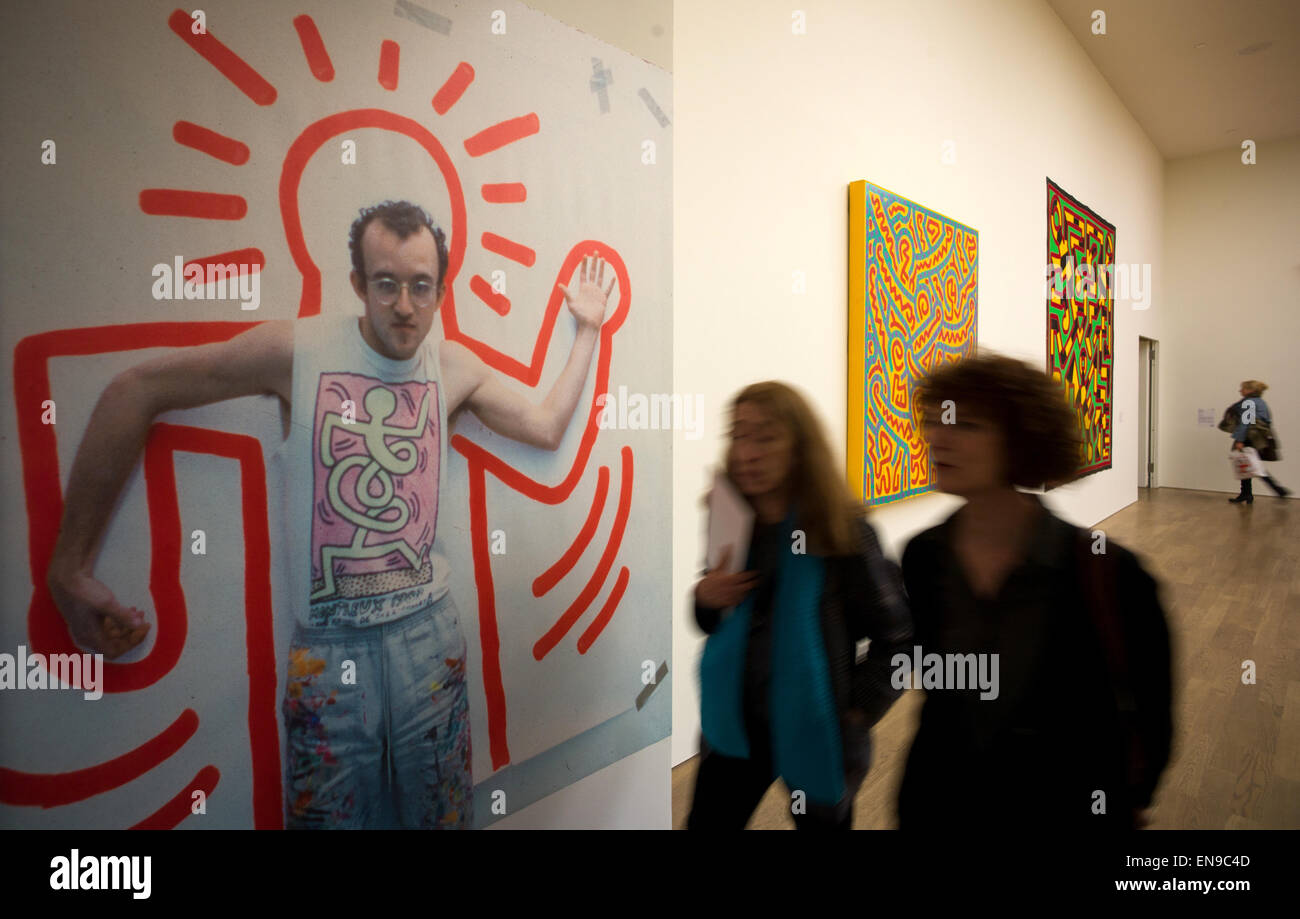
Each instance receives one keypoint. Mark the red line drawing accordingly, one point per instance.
(551, 576)
(483, 290)
(232, 66)
(505, 193)
(169, 816)
(54, 789)
(454, 88)
(606, 613)
(388, 54)
(46, 629)
(497, 136)
(224, 148)
(313, 48)
(555, 633)
(510, 249)
(175, 202)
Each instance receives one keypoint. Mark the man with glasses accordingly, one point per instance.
(376, 699)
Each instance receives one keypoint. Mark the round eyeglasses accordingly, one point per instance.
(387, 290)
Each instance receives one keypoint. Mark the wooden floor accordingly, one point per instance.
(1230, 585)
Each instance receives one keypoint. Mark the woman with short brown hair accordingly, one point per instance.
(1074, 727)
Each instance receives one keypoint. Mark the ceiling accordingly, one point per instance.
(1198, 75)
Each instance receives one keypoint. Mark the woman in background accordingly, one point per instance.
(1252, 390)
(782, 690)
(1074, 729)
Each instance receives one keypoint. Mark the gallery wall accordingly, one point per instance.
(1232, 244)
(771, 128)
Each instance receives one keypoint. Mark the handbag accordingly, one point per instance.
(1246, 463)
(1260, 436)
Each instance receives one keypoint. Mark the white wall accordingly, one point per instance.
(770, 129)
(1232, 239)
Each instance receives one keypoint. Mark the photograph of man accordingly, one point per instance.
(376, 701)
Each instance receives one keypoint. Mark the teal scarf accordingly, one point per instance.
(804, 725)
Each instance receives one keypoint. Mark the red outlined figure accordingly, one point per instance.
(41, 462)
(482, 461)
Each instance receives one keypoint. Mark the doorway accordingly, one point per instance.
(1147, 411)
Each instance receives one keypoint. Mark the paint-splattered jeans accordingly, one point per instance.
(379, 708)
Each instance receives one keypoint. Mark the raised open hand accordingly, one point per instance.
(588, 305)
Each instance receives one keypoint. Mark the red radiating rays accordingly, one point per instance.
(388, 54)
(512, 250)
(454, 88)
(175, 202)
(505, 132)
(318, 59)
(498, 302)
(505, 193)
(224, 148)
(232, 66)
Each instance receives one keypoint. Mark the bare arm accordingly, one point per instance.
(259, 361)
(474, 386)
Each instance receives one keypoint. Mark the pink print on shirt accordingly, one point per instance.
(375, 457)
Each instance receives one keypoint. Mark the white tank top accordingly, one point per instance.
(364, 468)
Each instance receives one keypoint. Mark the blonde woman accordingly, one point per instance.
(782, 691)
(1254, 433)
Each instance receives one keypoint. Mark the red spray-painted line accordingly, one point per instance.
(317, 135)
(530, 373)
(606, 613)
(55, 789)
(551, 576)
(251, 258)
(169, 816)
(224, 148)
(176, 202)
(38, 447)
(231, 65)
(501, 134)
(505, 193)
(165, 441)
(313, 48)
(555, 633)
(453, 89)
(388, 55)
(510, 249)
(499, 303)
(489, 637)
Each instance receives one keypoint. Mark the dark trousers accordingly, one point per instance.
(728, 789)
(1247, 492)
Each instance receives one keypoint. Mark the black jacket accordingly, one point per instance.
(1038, 753)
(862, 598)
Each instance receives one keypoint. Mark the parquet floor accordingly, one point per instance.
(1230, 585)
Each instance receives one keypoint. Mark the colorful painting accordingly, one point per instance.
(913, 289)
(1081, 319)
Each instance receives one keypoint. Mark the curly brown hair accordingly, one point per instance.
(1042, 443)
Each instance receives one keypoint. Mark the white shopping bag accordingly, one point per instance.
(1246, 463)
